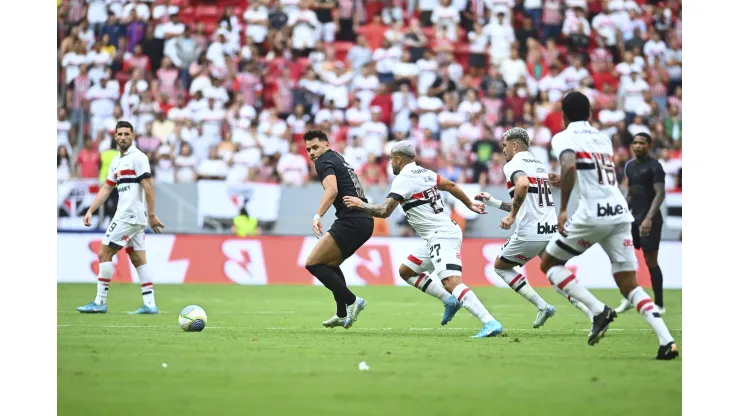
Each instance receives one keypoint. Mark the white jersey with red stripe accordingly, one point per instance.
(536, 219)
(416, 189)
(600, 201)
(127, 172)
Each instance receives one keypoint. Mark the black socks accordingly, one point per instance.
(333, 278)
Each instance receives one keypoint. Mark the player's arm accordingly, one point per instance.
(101, 197)
(567, 182)
(383, 210)
(330, 193)
(446, 185)
(521, 188)
(489, 200)
(144, 178)
(659, 188)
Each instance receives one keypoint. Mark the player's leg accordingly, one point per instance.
(137, 253)
(112, 242)
(650, 245)
(321, 263)
(578, 305)
(625, 305)
(516, 253)
(445, 255)
(618, 246)
(416, 271)
(562, 248)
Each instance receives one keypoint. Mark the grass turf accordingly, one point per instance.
(264, 352)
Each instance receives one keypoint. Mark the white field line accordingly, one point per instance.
(357, 329)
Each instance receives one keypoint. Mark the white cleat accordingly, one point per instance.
(543, 316)
(353, 311)
(623, 307)
(334, 321)
(660, 310)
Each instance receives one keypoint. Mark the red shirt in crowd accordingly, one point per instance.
(554, 122)
(89, 163)
(601, 78)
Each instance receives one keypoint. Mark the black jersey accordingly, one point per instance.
(324, 15)
(332, 163)
(642, 174)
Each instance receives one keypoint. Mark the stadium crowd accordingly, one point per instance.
(225, 89)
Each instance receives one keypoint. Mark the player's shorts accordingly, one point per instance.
(441, 255)
(517, 252)
(351, 233)
(651, 241)
(122, 234)
(615, 239)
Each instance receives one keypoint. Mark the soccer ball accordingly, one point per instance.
(193, 318)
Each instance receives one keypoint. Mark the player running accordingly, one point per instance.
(602, 217)
(349, 231)
(417, 190)
(645, 194)
(130, 171)
(533, 210)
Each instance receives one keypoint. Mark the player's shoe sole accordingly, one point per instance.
(93, 307)
(623, 307)
(333, 322)
(667, 352)
(353, 311)
(452, 305)
(145, 310)
(490, 329)
(543, 316)
(601, 325)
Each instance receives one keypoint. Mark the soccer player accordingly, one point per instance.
(602, 217)
(417, 190)
(533, 210)
(349, 231)
(645, 194)
(130, 172)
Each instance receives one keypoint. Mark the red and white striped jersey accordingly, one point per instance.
(127, 172)
(536, 219)
(600, 201)
(416, 189)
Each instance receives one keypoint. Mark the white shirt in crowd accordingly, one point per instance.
(573, 76)
(292, 168)
(632, 91)
(374, 134)
(258, 32)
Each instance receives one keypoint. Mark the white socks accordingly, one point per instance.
(429, 285)
(147, 288)
(105, 274)
(646, 308)
(470, 302)
(581, 307)
(565, 280)
(518, 282)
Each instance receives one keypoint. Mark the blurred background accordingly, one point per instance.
(221, 91)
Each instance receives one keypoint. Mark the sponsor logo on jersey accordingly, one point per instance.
(609, 210)
(522, 258)
(546, 228)
(584, 243)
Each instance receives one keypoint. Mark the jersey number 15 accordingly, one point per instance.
(604, 168)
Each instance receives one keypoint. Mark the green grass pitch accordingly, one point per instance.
(264, 352)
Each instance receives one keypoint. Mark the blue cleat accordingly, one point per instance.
(452, 305)
(543, 316)
(145, 310)
(490, 329)
(93, 307)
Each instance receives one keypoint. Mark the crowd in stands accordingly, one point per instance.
(225, 89)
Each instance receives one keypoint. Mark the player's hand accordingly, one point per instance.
(554, 179)
(318, 229)
(88, 219)
(645, 227)
(477, 207)
(155, 223)
(562, 219)
(483, 196)
(352, 201)
(507, 221)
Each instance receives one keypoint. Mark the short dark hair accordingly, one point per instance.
(315, 134)
(123, 124)
(645, 136)
(576, 106)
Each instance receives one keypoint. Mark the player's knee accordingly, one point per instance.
(624, 266)
(104, 256)
(546, 263)
(501, 265)
(651, 258)
(406, 273)
(626, 282)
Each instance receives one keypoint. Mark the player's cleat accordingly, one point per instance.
(93, 307)
(623, 307)
(490, 329)
(353, 311)
(660, 310)
(667, 352)
(145, 310)
(543, 316)
(452, 305)
(334, 321)
(600, 325)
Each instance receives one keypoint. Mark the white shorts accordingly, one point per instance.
(615, 239)
(441, 255)
(327, 32)
(517, 252)
(122, 234)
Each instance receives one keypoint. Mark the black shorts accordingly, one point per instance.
(351, 233)
(477, 60)
(650, 242)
